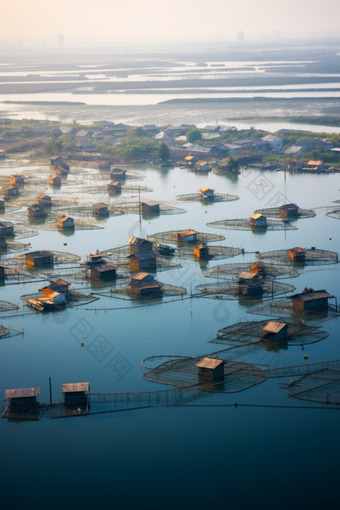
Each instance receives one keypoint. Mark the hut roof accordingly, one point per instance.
(245, 275)
(314, 163)
(74, 387)
(137, 241)
(209, 363)
(115, 183)
(200, 246)
(289, 206)
(22, 393)
(35, 207)
(188, 232)
(142, 276)
(205, 189)
(103, 268)
(310, 296)
(118, 171)
(44, 197)
(274, 327)
(189, 158)
(41, 253)
(298, 250)
(100, 204)
(257, 216)
(64, 218)
(144, 255)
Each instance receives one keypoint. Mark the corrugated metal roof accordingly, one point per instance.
(22, 393)
(274, 327)
(141, 276)
(245, 275)
(144, 255)
(209, 363)
(317, 294)
(73, 387)
(257, 216)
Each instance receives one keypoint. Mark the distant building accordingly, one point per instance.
(58, 161)
(144, 285)
(275, 331)
(249, 284)
(294, 151)
(10, 191)
(2, 153)
(83, 133)
(114, 187)
(297, 255)
(36, 211)
(103, 272)
(311, 301)
(22, 401)
(187, 236)
(75, 394)
(201, 251)
(210, 369)
(3, 243)
(206, 193)
(62, 171)
(289, 211)
(143, 261)
(118, 174)
(190, 160)
(275, 141)
(65, 223)
(17, 179)
(40, 258)
(6, 229)
(202, 166)
(54, 180)
(258, 221)
(68, 130)
(45, 200)
(138, 244)
(100, 209)
(59, 286)
(148, 208)
(2, 205)
(314, 166)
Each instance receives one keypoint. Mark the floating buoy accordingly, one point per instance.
(305, 356)
(81, 344)
(205, 212)
(65, 244)
(330, 238)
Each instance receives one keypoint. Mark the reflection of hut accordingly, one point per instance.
(143, 260)
(201, 251)
(10, 191)
(210, 368)
(297, 255)
(249, 284)
(44, 200)
(206, 193)
(258, 221)
(139, 244)
(3, 244)
(311, 301)
(100, 209)
(114, 187)
(36, 211)
(54, 180)
(23, 400)
(145, 285)
(289, 211)
(187, 236)
(275, 331)
(40, 258)
(148, 208)
(65, 223)
(103, 272)
(17, 179)
(74, 394)
(2, 205)
(118, 174)
(6, 228)
(60, 170)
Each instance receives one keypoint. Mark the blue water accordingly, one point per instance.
(177, 456)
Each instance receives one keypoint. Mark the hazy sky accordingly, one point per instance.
(153, 19)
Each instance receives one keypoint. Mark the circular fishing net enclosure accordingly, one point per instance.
(152, 208)
(322, 386)
(214, 252)
(119, 256)
(284, 308)
(59, 258)
(170, 237)
(217, 197)
(276, 212)
(300, 256)
(184, 373)
(230, 290)
(166, 291)
(269, 271)
(334, 213)
(246, 333)
(6, 306)
(3, 331)
(243, 224)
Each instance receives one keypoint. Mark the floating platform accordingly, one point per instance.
(230, 290)
(310, 257)
(197, 197)
(243, 224)
(269, 271)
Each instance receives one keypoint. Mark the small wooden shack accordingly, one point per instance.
(60, 286)
(6, 229)
(62, 171)
(210, 369)
(94, 258)
(118, 174)
(58, 161)
(22, 401)
(3, 243)
(275, 331)
(40, 258)
(311, 301)
(54, 180)
(206, 193)
(105, 165)
(138, 244)
(17, 179)
(65, 223)
(190, 160)
(100, 209)
(249, 284)
(103, 272)
(289, 211)
(297, 255)
(2, 153)
(187, 236)
(201, 251)
(2, 205)
(114, 187)
(258, 268)
(45, 200)
(202, 166)
(143, 260)
(144, 285)
(75, 394)
(36, 211)
(10, 191)
(258, 221)
(149, 208)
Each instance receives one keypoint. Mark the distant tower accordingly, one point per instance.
(61, 40)
(240, 36)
